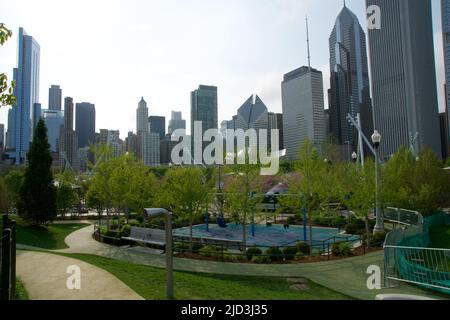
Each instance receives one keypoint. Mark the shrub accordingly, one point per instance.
(351, 228)
(303, 248)
(252, 252)
(181, 247)
(124, 231)
(341, 249)
(299, 256)
(212, 252)
(290, 252)
(261, 259)
(134, 223)
(274, 253)
(378, 239)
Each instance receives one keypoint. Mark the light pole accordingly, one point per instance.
(155, 213)
(379, 226)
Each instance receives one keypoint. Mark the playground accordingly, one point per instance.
(261, 235)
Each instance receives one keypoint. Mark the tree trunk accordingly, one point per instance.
(366, 220)
(108, 226)
(191, 223)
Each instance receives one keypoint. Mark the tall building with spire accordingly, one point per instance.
(303, 108)
(403, 75)
(349, 79)
(26, 91)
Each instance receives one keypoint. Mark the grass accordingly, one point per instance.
(440, 237)
(21, 292)
(51, 237)
(150, 283)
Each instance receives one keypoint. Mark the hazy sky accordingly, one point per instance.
(112, 52)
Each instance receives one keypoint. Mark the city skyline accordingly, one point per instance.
(235, 75)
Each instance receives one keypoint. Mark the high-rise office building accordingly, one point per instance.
(157, 125)
(444, 135)
(404, 76)
(131, 143)
(85, 124)
(142, 116)
(176, 122)
(26, 91)
(276, 123)
(2, 137)
(445, 9)
(203, 110)
(53, 120)
(349, 93)
(68, 139)
(151, 149)
(303, 110)
(54, 98)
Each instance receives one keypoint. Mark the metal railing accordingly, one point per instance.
(407, 256)
(8, 259)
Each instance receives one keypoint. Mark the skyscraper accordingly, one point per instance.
(176, 122)
(303, 109)
(445, 8)
(444, 135)
(53, 120)
(68, 139)
(26, 76)
(157, 125)
(404, 76)
(2, 136)
(85, 124)
(276, 123)
(204, 110)
(142, 116)
(349, 93)
(54, 98)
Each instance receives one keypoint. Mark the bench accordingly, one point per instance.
(147, 236)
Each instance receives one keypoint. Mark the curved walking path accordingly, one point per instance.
(347, 276)
(45, 277)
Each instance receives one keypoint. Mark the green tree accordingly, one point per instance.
(66, 194)
(37, 203)
(185, 192)
(6, 89)
(359, 183)
(239, 201)
(5, 197)
(14, 180)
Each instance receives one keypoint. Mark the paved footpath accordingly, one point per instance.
(45, 278)
(347, 276)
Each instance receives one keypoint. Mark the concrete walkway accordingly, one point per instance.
(347, 276)
(45, 278)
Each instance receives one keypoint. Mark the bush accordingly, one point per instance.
(252, 252)
(303, 248)
(274, 253)
(181, 247)
(261, 259)
(299, 256)
(290, 252)
(378, 238)
(212, 252)
(341, 249)
(351, 228)
(124, 231)
(134, 223)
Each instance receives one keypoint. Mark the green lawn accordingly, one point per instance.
(51, 237)
(440, 237)
(150, 283)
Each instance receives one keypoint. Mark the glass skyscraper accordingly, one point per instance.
(26, 76)
(349, 93)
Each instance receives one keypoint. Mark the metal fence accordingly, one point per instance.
(407, 256)
(8, 259)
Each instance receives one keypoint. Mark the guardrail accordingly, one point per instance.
(407, 257)
(8, 259)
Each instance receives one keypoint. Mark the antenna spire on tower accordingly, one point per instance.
(307, 42)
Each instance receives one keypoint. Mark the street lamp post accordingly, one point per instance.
(379, 226)
(155, 213)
